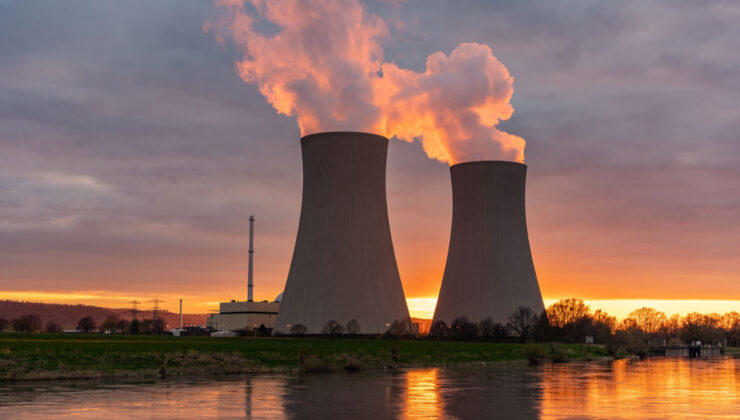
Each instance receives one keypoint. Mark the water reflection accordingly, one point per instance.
(656, 388)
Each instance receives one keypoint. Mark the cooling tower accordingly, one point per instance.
(489, 271)
(343, 266)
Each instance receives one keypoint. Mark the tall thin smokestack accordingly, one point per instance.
(489, 271)
(343, 266)
(180, 313)
(250, 275)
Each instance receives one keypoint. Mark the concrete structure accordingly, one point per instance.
(239, 315)
(343, 266)
(489, 271)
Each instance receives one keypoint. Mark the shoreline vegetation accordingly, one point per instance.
(33, 356)
(29, 356)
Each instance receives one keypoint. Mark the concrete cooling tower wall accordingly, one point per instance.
(489, 271)
(343, 266)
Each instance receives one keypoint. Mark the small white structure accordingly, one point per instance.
(239, 315)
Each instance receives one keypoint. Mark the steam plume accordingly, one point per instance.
(324, 64)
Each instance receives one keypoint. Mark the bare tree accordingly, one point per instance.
(648, 319)
(298, 329)
(438, 330)
(567, 312)
(486, 328)
(353, 327)
(27, 323)
(402, 328)
(333, 328)
(521, 322)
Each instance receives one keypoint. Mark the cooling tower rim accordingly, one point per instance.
(489, 163)
(340, 133)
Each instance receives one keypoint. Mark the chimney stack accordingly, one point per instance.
(250, 275)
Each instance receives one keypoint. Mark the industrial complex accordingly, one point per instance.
(344, 266)
(489, 271)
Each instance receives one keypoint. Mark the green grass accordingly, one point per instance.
(55, 356)
(733, 350)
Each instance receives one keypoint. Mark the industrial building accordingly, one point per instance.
(343, 266)
(240, 315)
(244, 315)
(489, 270)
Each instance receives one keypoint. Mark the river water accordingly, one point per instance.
(654, 388)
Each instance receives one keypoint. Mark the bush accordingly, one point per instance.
(86, 324)
(134, 327)
(4, 324)
(53, 327)
(298, 329)
(462, 329)
(438, 330)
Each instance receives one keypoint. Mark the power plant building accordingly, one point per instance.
(343, 266)
(241, 315)
(489, 270)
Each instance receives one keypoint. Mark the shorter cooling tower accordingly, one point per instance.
(343, 266)
(489, 271)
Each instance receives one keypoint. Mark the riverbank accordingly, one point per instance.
(25, 356)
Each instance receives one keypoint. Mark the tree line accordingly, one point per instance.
(87, 324)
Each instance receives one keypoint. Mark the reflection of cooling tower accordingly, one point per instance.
(343, 264)
(489, 270)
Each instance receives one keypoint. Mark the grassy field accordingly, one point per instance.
(25, 356)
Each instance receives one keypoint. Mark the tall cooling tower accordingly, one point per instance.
(343, 263)
(489, 271)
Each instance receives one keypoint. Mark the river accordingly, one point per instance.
(652, 388)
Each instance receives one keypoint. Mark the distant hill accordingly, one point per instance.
(69, 315)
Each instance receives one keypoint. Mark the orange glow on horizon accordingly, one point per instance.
(419, 307)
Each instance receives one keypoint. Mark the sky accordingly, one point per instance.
(132, 153)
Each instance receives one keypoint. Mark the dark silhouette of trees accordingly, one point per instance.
(122, 326)
(4, 324)
(298, 329)
(134, 327)
(402, 328)
(521, 322)
(333, 328)
(567, 312)
(109, 324)
(53, 327)
(731, 327)
(86, 324)
(462, 329)
(438, 330)
(543, 332)
(700, 327)
(159, 326)
(486, 328)
(27, 323)
(353, 327)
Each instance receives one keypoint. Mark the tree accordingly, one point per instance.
(603, 326)
(521, 322)
(110, 323)
(53, 327)
(27, 323)
(298, 329)
(462, 329)
(333, 328)
(159, 326)
(439, 330)
(672, 325)
(700, 327)
(731, 327)
(485, 328)
(146, 326)
(648, 319)
(401, 328)
(353, 327)
(566, 312)
(543, 332)
(122, 326)
(4, 324)
(134, 327)
(86, 324)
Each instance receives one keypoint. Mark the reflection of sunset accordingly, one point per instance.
(422, 394)
(633, 389)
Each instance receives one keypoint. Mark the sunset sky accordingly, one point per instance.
(132, 153)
